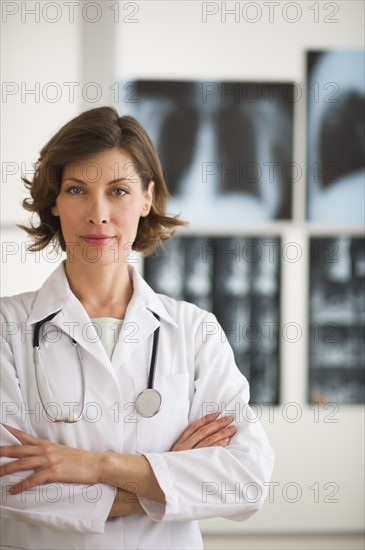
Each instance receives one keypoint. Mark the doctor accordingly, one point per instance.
(91, 460)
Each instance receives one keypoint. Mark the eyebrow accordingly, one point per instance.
(118, 180)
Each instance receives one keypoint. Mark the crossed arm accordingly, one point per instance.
(52, 462)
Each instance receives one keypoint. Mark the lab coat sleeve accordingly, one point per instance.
(231, 482)
(62, 506)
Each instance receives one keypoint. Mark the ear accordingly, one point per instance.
(54, 210)
(147, 200)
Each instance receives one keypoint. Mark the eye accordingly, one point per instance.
(74, 190)
(119, 192)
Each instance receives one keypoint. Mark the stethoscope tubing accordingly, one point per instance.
(151, 375)
(36, 347)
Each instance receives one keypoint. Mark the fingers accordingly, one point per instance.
(197, 425)
(205, 432)
(218, 439)
(18, 451)
(38, 478)
(30, 459)
(208, 431)
(51, 462)
(29, 463)
(22, 436)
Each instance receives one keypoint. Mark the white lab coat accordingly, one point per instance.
(195, 374)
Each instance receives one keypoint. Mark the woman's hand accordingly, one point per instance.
(51, 462)
(208, 431)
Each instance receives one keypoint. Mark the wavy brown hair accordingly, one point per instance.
(90, 133)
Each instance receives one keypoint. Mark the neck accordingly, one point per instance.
(104, 291)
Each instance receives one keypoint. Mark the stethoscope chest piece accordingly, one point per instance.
(148, 403)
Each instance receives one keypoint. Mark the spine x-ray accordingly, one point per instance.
(337, 320)
(238, 279)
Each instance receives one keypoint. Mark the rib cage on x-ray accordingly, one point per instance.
(237, 279)
(337, 320)
(336, 136)
(227, 158)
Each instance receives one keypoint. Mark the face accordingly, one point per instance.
(100, 203)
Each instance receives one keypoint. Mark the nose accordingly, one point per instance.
(99, 212)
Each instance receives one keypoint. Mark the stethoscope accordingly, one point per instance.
(148, 403)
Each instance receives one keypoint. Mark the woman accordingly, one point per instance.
(84, 464)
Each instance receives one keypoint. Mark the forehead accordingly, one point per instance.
(111, 164)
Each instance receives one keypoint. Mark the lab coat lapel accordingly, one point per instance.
(139, 324)
(140, 321)
(56, 296)
(74, 320)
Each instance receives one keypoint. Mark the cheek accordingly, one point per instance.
(128, 217)
(127, 226)
(68, 218)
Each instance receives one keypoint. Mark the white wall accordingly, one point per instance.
(42, 57)
(170, 40)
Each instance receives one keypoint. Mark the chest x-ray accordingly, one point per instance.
(225, 147)
(336, 136)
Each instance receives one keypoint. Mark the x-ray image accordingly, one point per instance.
(337, 320)
(239, 280)
(336, 137)
(225, 147)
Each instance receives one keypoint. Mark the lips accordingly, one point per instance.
(99, 240)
